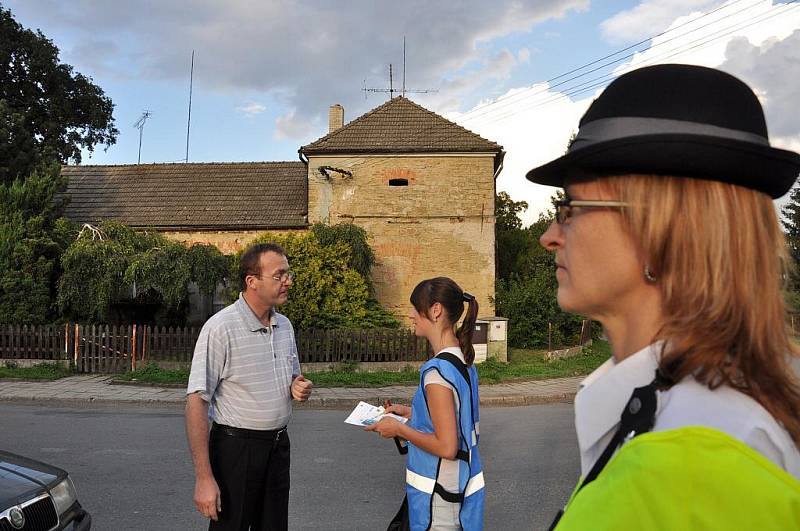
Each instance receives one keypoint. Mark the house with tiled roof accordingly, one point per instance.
(421, 186)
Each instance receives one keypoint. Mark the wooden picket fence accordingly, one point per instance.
(120, 348)
(360, 345)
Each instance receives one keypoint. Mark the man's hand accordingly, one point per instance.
(206, 498)
(301, 388)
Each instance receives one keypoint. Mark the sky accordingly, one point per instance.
(518, 73)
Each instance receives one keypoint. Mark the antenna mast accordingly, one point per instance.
(140, 126)
(404, 67)
(189, 119)
(391, 90)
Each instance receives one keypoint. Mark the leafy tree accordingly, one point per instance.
(791, 223)
(32, 238)
(507, 212)
(327, 291)
(361, 256)
(510, 239)
(526, 294)
(112, 264)
(48, 112)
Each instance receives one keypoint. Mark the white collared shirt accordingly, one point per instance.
(604, 393)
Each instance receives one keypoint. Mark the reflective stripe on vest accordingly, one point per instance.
(423, 467)
(427, 485)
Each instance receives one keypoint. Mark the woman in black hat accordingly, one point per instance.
(668, 237)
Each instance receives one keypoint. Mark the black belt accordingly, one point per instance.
(267, 435)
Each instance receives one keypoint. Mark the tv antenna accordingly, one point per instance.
(391, 90)
(140, 126)
(189, 119)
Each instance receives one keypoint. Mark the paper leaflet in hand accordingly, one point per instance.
(366, 414)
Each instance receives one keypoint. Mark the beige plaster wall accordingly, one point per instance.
(441, 224)
(227, 242)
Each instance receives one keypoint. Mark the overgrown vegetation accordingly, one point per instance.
(112, 264)
(329, 291)
(526, 287)
(32, 238)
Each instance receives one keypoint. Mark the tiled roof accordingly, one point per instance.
(401, 126)
(251, 195)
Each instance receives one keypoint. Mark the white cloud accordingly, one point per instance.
(523, 55)
(706, 44)
(774, 70)
(534, 124)
(314, 52)
(251, 109)
(648, 18)
(290, 125)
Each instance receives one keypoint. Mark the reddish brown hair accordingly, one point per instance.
(720, 258)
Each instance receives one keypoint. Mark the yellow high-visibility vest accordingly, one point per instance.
(692, 478)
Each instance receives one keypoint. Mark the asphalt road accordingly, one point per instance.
(132, 468)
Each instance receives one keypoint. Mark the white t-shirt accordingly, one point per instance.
(605, 392)
(448, 471)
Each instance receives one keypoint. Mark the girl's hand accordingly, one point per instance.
(397, 409)
(386, 428)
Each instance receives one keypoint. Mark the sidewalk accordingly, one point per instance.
(99, 389)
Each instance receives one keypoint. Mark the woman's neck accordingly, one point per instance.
(630, 332)
(443, 339)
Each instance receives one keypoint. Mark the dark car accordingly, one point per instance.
(38, 497)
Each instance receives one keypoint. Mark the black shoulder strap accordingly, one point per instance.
(462, 368)
(458, 364)
(639, 416)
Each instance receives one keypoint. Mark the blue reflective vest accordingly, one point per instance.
(423, 468)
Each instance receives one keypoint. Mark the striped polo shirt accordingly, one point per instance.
(244, 369)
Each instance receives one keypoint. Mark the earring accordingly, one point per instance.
(648, 275)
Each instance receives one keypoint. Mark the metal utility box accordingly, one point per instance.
(480, 339)
(497, 338)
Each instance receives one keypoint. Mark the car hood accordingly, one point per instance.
(21, 478)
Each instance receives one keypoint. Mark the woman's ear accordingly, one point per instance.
(436, 311)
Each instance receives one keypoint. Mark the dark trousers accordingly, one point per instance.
(252, 471)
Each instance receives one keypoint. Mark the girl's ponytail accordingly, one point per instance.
(465, 331)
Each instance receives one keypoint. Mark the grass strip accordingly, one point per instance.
(41, 371)
(523, 364)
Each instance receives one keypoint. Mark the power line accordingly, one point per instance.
(475, 113)
(603, 80)
(599, 81)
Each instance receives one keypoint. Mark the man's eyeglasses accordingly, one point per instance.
(283, 278)
(564, 207)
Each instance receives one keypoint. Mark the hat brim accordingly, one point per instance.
(759, 167)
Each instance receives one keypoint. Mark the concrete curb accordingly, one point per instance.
(101, 391)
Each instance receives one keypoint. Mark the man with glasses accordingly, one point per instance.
(245, 372)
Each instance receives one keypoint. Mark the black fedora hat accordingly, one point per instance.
(681, 120)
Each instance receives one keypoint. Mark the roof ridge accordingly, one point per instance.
(405, 117)
(452, 122)
(151, 164)
(355, 120)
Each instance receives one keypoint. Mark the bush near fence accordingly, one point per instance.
(119, 348)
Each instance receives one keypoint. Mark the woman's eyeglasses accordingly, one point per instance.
(564, 207)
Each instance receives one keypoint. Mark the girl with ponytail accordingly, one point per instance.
(444, 476)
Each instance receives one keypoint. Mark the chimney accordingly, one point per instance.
(335, 118)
